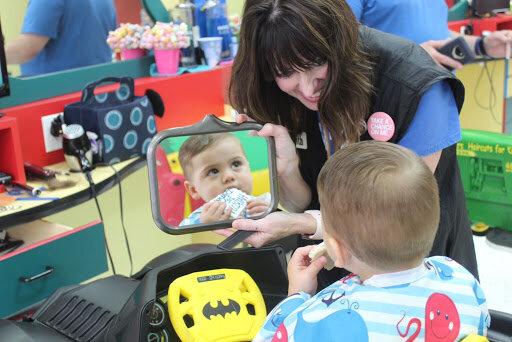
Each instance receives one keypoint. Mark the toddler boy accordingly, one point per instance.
(380, 209)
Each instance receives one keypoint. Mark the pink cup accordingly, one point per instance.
(167, 61)
(127, 54)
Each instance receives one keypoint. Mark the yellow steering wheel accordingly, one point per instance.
(216, 305)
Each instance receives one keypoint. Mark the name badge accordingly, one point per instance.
(302, 141)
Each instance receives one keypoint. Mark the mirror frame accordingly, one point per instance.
(209, 124)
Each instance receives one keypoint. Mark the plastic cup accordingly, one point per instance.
(167, 61)
(212, 48)
(127, 54)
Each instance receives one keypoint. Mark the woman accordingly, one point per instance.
(307, 70)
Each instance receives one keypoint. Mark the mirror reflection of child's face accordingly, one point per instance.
(218, 168)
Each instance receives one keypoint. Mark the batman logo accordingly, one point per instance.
(221, 309)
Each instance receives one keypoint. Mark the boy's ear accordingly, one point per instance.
(192, 191)
(341, 253)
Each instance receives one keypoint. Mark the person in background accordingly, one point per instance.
(60, 34)
(425, 22)
(368, 191)
(306, 69)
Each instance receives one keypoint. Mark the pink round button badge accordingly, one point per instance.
(381, 126)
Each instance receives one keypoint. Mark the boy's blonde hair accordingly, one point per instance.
(196, 144)
(382, 201)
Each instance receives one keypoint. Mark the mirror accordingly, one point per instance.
(204, 176)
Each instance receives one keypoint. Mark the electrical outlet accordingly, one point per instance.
(51, 143)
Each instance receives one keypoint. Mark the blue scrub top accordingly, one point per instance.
(417, 20)
(77, 29)
(435, 125)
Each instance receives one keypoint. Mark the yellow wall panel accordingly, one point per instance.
(479, 93)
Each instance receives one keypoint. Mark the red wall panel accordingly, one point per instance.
(187, 98)
(10, 150)
(128, 11)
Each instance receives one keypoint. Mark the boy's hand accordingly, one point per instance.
(302, 272)
(256, 207)
(215, 212)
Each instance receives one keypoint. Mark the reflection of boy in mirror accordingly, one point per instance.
(212, 164)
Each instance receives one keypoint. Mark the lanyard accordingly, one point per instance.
(326, 138)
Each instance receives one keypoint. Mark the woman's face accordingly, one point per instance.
(306, 86)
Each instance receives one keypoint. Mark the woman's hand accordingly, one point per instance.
(496, 43)
(294, 193)
(495, 46)
(302, 272)
(272, 227)
(286, 156)
(442, 60)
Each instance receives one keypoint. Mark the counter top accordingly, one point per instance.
(17, 206)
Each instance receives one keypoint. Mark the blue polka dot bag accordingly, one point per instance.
(124, 123)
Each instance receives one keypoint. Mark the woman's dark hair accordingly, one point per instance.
(280, 36)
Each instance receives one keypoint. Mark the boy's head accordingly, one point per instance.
(213, 163)
(380, 203)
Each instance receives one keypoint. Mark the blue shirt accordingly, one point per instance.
(439, 300)
(417, 20)
(77, 29)
(436, 124)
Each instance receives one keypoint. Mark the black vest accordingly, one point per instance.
(403, 72)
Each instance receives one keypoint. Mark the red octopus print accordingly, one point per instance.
(442, 321)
